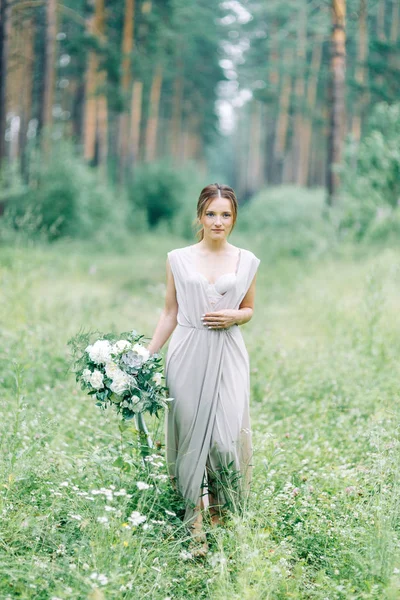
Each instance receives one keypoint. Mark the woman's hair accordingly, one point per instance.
(215, 190)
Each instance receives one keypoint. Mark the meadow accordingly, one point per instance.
(322, 521)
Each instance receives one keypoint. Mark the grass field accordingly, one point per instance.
(323, 519)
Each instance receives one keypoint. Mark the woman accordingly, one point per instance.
(210, 292)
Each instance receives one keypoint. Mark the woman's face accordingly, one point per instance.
(217, 219)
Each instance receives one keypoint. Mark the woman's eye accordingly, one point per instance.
(209, 214)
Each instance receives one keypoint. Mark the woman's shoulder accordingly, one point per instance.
(249, 254)
(177, 251)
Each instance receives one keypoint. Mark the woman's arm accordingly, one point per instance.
(246, 308)
(168, 318)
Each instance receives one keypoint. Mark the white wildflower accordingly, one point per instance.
(100, 351)
(103, 520)
(136, 518)
(102, 579)
(184, 555)
(142, 485)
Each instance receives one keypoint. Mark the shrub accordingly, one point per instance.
(157, 189)
(68, 199)
(371, 176)
(289, 220)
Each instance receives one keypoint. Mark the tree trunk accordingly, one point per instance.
(176, 122)
(283, 119)
(380, 25)
(136, 118)
(152, 119)
(5, 20)
(394, 28)
(255, 160)
(49, 73)
(360, 74)
(26, 95)
(311, 102)
(127, 46)
(299, 92)
(101, 98)
(337, 99)
(89, 116)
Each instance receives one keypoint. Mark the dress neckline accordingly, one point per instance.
(223, 274)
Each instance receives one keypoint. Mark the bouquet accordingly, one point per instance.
(120, 371)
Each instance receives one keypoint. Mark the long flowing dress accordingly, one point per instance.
(207, 371)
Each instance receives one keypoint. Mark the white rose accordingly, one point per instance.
(86, 375)
(112, 369)
(121, 383)
(100, 352)
(120, 346)
(157, 378)
(96, 380)
(142, 351)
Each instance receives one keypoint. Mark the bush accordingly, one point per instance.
(68, 199)
(371, 177)
(288, 220)
(157, 189)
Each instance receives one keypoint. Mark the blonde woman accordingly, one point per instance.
(210, 293)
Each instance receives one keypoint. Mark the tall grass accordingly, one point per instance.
(322, 520)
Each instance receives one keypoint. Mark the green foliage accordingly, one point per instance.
(289, 220)
(377, 159)
(67, 199)
(371, 177)
(157, 188)
(322, 517)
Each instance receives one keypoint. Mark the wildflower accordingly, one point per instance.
(136, 518)
(102, 519)
(102, 579)
(142, 485)
(184, 555)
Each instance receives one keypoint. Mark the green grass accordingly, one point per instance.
(322, 521)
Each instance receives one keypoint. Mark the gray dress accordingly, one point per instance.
(207, 426)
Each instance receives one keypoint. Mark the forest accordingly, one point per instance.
(113, 117)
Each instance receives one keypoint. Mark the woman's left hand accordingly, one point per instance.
(221, 319)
